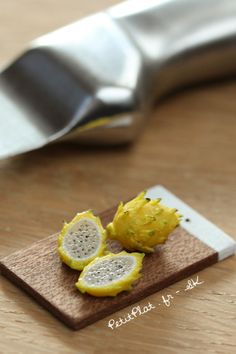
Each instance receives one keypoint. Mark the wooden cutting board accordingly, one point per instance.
(39, 271)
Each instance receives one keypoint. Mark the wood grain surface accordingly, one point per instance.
(39, 271)
(189, 146)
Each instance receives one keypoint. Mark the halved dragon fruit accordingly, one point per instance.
(110, 274)
(82, 240)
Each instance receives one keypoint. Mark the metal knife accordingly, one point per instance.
(96, 80)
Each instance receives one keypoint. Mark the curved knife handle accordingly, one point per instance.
(180, 41)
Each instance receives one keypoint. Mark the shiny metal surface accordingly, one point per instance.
(95, 80)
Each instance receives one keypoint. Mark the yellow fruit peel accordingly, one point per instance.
(141, 224)
(110, 274)
(82, 240)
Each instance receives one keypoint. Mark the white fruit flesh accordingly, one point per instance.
(82, 239)
(105, 272)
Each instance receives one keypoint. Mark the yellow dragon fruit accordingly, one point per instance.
(141, 224)
(110, 274)
(82, 240)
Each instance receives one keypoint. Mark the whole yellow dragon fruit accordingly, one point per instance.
(141, 224)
